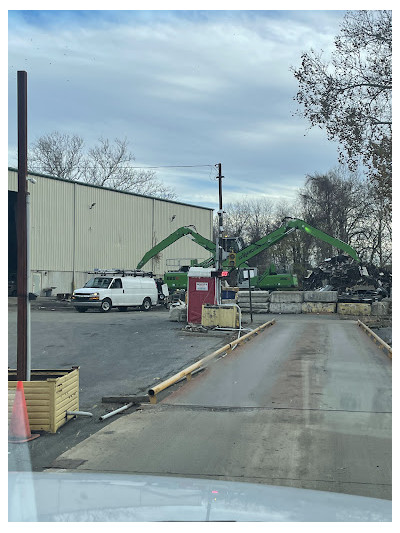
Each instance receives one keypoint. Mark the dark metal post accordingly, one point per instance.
(218, 251)
(22, 285)
(251, 305)
(220, 220)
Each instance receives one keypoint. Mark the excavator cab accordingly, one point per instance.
(233, 244)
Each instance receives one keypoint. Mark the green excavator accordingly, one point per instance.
(236, 256)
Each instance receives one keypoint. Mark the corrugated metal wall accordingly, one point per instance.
(70, 234)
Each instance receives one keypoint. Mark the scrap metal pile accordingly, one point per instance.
(352, 281)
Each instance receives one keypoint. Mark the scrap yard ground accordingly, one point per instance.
(307, 403)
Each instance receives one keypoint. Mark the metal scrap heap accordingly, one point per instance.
(353, 281)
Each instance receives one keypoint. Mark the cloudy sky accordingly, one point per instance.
(187, 88)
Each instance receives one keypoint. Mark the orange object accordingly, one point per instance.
(19, 429)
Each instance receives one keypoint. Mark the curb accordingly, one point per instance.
(381, 343)
(199, 365)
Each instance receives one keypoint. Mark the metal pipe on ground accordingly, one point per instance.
(78, 413)
(376, 337)
(190, 369)
(108, 415)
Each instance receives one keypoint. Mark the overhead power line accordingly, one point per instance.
(149, 168)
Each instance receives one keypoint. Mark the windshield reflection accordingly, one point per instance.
(98, 283)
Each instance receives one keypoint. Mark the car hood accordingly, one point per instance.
(96, 497)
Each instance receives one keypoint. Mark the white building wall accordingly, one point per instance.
(70, 236)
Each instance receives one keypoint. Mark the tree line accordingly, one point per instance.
(105, 164)
(342, 204)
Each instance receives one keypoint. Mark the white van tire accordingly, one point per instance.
(146, 305)
(106, 305)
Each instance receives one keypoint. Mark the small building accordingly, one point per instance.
(76, 228)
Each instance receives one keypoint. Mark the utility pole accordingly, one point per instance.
(22, 285)
(219, 248)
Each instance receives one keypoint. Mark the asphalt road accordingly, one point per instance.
(118, 353)
(305, 404)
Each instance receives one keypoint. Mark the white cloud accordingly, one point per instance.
(196, 88)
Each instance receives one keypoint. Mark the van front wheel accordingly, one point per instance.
(106, 305)
(146, 305)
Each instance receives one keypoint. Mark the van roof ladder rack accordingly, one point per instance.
(121, 272)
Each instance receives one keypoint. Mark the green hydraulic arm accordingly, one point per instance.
(288, 227)
(247, 253)
(180, 232)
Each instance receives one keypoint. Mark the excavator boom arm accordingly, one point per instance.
(322, 236)
(250, 251)
(180, 232)
(272, 238)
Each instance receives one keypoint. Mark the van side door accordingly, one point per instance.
(131, 291)
(117, 292)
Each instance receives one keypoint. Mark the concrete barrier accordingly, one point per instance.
(255, 305)
(255, 311)
(263, 296)
(287, 297)
(256, 308)
(178, 314)
(318, 307)
(380, 308)
(320, 296)
(354, 309)
(246, 301)
(285, 308)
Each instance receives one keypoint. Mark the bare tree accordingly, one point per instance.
(236, 220)
(350, 94)
(294, 252)
(106, 164)
(348, 208)
(249, 219)
(58, 154)
(373, 238)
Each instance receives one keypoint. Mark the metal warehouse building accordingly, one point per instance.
(76, 227)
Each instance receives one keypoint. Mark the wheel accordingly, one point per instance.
(81, 309)
(146, 305)
(122, 309)
(106, 305)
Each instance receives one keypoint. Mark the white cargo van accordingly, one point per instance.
(107, 291)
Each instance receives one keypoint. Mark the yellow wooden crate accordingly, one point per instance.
(49, 395)
(224, 317)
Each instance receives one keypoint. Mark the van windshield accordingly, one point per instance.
(98, 283)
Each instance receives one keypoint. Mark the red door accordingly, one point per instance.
(200, 291)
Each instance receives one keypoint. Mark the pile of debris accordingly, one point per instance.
(352, 281)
